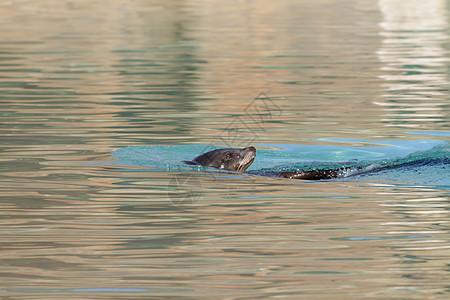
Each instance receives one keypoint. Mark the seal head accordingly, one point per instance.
(231, 159)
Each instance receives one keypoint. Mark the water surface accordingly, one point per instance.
(326, 80)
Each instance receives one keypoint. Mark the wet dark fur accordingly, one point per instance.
(230, 159)
(307, 175)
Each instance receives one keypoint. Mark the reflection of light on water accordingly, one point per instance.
(414, 61)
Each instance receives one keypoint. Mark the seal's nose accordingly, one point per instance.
(251, 148)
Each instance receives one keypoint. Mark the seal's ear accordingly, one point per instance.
(191, 163)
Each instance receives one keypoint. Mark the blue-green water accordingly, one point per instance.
(100, 101)
(421, 163)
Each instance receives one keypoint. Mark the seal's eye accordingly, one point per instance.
(229, 156)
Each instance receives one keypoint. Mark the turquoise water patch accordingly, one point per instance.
(288, 154)
(367, 238)
(390, 162)
(160, 157)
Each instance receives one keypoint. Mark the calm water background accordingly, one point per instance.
(81, 79)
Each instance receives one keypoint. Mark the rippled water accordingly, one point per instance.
(326, 80)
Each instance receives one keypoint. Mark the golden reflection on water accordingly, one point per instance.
(414, 56)
(287, 233)
(83, 78)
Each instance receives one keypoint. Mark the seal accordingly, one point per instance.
(309, 175)
(238, 160)
(231, 159)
